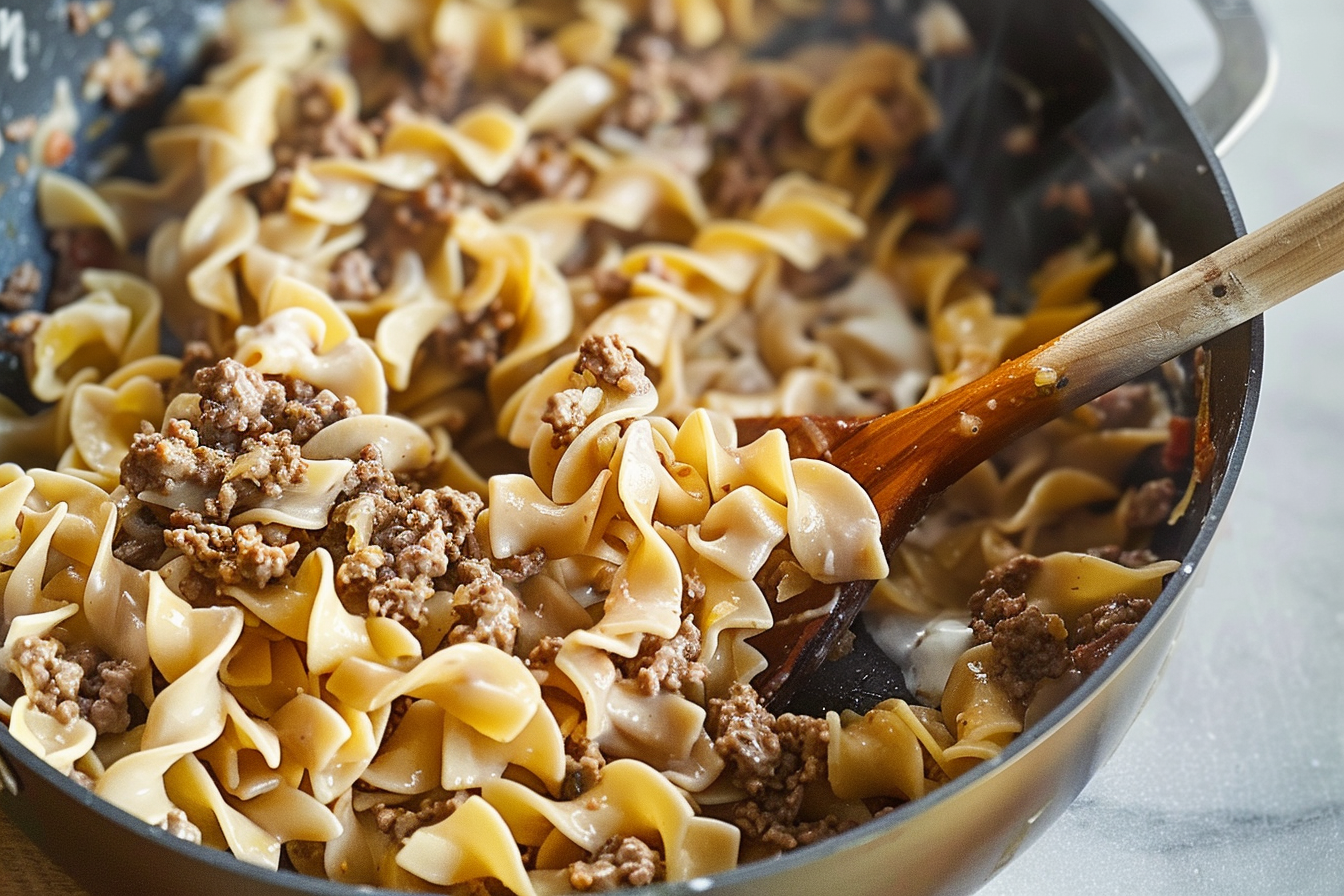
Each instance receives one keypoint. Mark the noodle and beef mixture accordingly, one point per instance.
(431, 556)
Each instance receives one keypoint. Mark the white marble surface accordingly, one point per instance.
(1232, 779)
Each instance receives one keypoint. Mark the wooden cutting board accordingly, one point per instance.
(26, 871)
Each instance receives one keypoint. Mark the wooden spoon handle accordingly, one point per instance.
(1244, 278)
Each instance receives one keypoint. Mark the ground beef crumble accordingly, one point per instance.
(1029, 645)
(773, 760)
(1132, 559)
(400, 823)
(80, 684)
(583, 764)
(567, 412)
(546, 169)
(248, 555)
(442, 87)
(487, 611)
(1128, 405)
(620, 862)
(1150, 504)
(75, 250)
(765, 118)
(1099, 632)
(611, 361)
(353, 277)
(396, 545)
(473, 342)
(667, 664)
(246, 445)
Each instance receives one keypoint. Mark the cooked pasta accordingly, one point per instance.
(431, 556)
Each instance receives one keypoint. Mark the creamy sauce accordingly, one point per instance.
(924, 648)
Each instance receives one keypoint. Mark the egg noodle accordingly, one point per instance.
(431, 557)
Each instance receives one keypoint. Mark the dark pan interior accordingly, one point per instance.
(1108, 121)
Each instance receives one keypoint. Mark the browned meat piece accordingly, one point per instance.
(522, 566)
(490, 614)
(443, 86)
(401, 823)
(648, 100)
(667, 664)
(105, 690)
(317, 130)
(744, 735)
(196, 356)
(583, 765)
(81, 684)
(567, 415)
(77, 16)
(746, 165)
(542, 61)
(16, 336)
(352, 277)
(611, 361)
(416, 541)
(546, 170)
(179, 825)
(245, 446)
(828, 277)
(271, 194)
(82, 16)
(22, 289)
(1029, 645)
(1101, 631)
(238, 403)
(52, 681)
(772, 760)
(1001, 595)
(157, 462)
(544, 654)
(20, 130)
(664, 87)
(248, 555)
(621, 862)
(1150, 504)
(473, 343)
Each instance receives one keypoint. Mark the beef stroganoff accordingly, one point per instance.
(425, 553)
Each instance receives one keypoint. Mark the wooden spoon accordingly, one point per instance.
(906, 458)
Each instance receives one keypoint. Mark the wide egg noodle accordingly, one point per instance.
(631, 799)
(187, 645)
(473, 842)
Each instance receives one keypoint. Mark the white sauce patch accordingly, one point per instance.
(924, 648)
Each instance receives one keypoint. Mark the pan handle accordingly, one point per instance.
(1246, 74)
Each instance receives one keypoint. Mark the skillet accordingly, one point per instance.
(1109, 120)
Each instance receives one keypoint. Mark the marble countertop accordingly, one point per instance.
(1232, 779)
